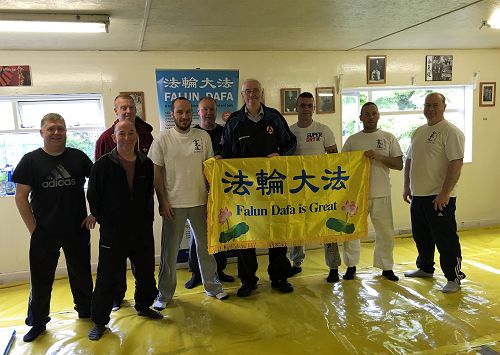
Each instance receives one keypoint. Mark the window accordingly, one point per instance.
(20, 124)
(401, 111)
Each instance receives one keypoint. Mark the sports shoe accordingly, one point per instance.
(116, 305)
(349, 274)
(282, 286)
(149, 313)
(96, 332)
(451, 287)
(419, 273)
(294, 270)
(159, 305)
(389, 275)
(223, 277)
(34, 333)
(333, 276)
(245, 290)
(222, 296)
(193, 282)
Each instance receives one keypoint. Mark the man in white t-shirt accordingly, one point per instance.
(383, 149)
(432, 170)
(313, 138)
(178, 155)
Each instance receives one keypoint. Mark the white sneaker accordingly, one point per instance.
(419, 273)
(159, 305)
(222, 296)
(451, 287)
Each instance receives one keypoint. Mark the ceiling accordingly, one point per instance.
(262, 25)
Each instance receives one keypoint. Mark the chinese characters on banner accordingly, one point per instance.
(222, 85)
(285, 201)
(15, 75)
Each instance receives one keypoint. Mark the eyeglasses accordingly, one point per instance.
(249, 92)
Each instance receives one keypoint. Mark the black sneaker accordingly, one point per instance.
(194, 281)
(148, 312)
(223, 277)
(333, 276)
(389, 275)
(116, 305)
(349, 274)
(245, 290)
(33, 333)
(294, 270)
(282, 286)
(96, 332)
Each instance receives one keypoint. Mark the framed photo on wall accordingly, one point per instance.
(325, 100)
(438, 67)
(376, 69)
(487, 94)
(288, 100)
(138, 97)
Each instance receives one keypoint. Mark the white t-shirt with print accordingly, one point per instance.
(312, 140)
(431, 150)
(182, 155)
(381, 142)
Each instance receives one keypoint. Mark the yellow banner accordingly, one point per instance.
(287, 200)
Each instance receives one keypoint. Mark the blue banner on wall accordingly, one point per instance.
(194, 84)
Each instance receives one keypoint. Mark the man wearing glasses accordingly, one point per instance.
(258, 131)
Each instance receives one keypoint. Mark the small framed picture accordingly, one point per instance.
(438, 67)
(375, 69)
(289, 100)
(140, 105)
(487, 94)
(325, 100)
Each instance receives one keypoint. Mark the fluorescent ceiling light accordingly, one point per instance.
(61, 23)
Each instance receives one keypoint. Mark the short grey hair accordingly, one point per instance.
(251, 80)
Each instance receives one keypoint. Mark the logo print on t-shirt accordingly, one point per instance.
(269, 129)
(197, 145)
(58, 177)
(314, 136)
(434, 135)
(380, 144)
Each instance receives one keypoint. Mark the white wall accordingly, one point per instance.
(111, 72)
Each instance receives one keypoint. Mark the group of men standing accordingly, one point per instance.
(130, 165)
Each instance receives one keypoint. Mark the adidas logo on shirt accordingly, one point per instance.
(58, 177)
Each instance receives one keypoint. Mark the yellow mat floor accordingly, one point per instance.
(368, 315)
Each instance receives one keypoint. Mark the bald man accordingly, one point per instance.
(120, 196)
(432, 170)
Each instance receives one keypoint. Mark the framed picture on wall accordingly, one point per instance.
(487, 93)
(376, 69)
(140, 105)
(288, 100)
(438, 67)
(325, 100)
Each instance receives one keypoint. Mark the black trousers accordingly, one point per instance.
(44, 254)
(139, 248)
(220, 258)
(433, 229)
(121, 283)
(278, 269)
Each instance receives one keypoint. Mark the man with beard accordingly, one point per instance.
(178, 155)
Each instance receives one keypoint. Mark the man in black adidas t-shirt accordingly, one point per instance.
(51, 201)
